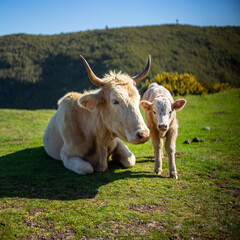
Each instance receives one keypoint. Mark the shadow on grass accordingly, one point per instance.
(31, 173)
(145, 159)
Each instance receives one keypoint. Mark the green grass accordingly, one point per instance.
(41, 199)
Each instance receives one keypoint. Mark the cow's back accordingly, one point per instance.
(52, 139)
(53, 135)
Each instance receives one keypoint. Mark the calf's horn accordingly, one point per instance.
(94, 79)
(144, 73)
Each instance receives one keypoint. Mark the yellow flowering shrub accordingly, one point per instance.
(183, 84)
(216, 87)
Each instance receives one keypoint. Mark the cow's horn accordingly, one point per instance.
(144, 73)
(94, 79)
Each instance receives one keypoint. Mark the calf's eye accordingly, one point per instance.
(154, 112)
(115, 101)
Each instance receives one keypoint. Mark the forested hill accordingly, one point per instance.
(36, 70)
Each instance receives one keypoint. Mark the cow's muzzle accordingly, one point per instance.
(141, 136)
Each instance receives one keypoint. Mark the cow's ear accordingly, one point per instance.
(88, 101)
(145, 105)
(179, 104)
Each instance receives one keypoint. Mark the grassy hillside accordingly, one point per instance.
(36, 70)
(40, 199)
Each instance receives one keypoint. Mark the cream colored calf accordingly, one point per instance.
(160, 112)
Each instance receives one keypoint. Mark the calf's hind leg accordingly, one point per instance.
(76, 164)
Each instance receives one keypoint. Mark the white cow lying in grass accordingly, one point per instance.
(160, 112)
(86, 128)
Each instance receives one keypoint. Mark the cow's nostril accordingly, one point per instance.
(139, 135)
(144, 134)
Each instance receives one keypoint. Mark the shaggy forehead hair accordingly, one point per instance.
(122, 85)
(162, 101)
(118, 78)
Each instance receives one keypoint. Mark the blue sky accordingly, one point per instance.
(59, 16)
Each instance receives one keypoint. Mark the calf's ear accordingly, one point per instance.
(88, 101)
(145, 105)
(179, 104)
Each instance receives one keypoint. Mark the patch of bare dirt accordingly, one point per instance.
(145, 208)
(235, 192)
(180, 186)
(46, 232)
(99, 203)
(150, 225)
(13, 203)
(136, 227)
(35, 211)
(59, 234)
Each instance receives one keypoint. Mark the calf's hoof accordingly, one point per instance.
(174, 176)
(158, 171)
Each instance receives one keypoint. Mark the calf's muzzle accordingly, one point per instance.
(162, 127)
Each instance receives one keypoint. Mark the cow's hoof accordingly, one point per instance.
(101, 169)
(129, 162)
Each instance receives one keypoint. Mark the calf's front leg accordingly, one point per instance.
(170, 145)
(157, 143)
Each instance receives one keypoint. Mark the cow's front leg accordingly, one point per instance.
(75, 164)
(170, 145)
(122, 154)
(157, 143)
(102, 161)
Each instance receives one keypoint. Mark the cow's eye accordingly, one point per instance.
(154, 112)
(170, 113)
(115, 101)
